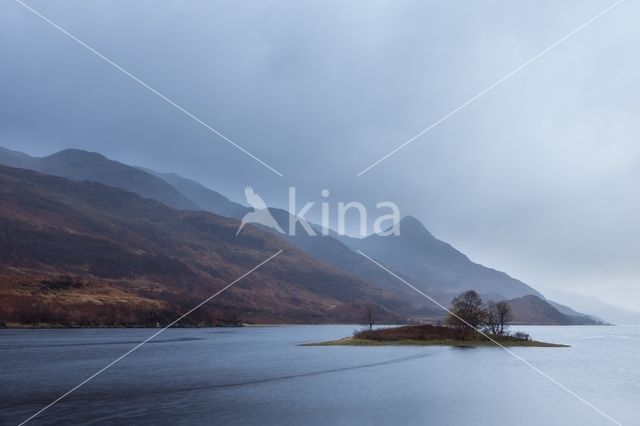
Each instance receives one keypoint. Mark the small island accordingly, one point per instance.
(470, 323)
(426, 335)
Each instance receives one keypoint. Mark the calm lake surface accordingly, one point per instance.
(257, 376)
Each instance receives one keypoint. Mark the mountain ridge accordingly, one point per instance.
(418, 253)
(425, 254)
(79, 165)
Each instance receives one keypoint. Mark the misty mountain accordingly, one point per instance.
(198, 196)
(578, 317)
(436, 265)
(89, 254)
(79, 165)
(338, 251)
(421, 259)
(417, 255)
(323, 247)
(205, 198)
(596, 307)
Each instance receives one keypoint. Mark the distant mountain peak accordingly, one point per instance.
(78, 154)
(412, 226)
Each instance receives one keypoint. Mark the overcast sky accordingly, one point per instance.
(539, 177)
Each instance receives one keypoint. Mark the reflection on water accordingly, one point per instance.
(258, 375)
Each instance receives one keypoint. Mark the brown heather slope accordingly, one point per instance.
(82, 253)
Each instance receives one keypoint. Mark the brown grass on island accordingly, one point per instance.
(431, 335)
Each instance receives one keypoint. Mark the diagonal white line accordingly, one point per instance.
(496, 83)
(143, 84)
(518, 357)
(64, 395)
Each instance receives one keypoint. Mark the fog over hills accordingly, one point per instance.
(415, 254)
(419, 254)
(595, 307)
(203, 197)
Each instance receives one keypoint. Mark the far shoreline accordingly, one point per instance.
(241, 325)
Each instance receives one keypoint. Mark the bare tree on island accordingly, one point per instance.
(492, 318)
(369, 317)
(499, 316)
(505, 316)
(467, 313)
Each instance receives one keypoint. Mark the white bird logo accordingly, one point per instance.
(260, 213)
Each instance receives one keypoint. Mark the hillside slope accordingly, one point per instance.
(205, 198)
(436, 265)
(457, 273)
(426, 262)
(323, 247)
(81, 253)
(534, 310)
